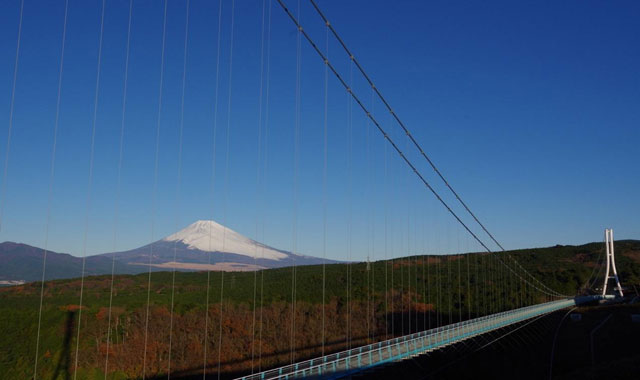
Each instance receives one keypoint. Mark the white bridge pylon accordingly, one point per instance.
(611, 263)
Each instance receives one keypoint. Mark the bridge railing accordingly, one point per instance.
(360, 358)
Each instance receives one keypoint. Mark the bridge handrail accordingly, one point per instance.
(448, 340)
(310, 364)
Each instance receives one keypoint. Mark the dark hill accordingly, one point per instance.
(22, 262)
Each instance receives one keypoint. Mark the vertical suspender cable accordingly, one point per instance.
(226, 182)
(265, 165)
(492, 284)
(367, 270)
(403, 252)
(89, 186)
(439, 307)
(498, 283)
(476, 281)
(213, 177)
(324, 184)
(258, 187)
(512, 289)
(392, 287)
(418, 251)
(468, 256)
(386, 244)
(459, 259)
(372, 230)
(11, 108)
(484, 283)
(52, 170)
(155, 187)
(353, 96)
(178, 180)
(450, 287)
(386, 136)
(430, 305)
(407, 252)
(116, 208)
(425, 156)
(350, 191)
(366, 195)
(296, 163)
(424, 280)
(419, 260)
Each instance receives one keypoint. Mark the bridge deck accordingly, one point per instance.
(361, 358)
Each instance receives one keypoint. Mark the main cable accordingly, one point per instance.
(378, 126)
(401, 153)
(395, 116)
(417, 145)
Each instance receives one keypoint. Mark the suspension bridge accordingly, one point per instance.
(410, 300)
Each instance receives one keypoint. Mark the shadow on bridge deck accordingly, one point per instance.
(398, 324)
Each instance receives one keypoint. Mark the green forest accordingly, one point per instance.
(258, 317)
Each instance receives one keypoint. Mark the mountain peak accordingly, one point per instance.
(210, 236)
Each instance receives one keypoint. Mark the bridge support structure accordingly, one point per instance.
(611, 264)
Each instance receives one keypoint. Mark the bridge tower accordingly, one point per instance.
(611, 263)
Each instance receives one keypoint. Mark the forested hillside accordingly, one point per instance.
(252, 319)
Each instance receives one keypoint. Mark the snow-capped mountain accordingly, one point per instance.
(203, 245)
(207, 245)
(209, 236)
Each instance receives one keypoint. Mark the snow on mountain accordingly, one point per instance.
(209, 236)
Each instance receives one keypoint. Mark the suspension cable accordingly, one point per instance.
(378, 126)
(154, 194)
(415, 142)
(178, 180)
(395, 116)
(258, 187)
(226, 183)
(116, 208)
(296, 169)
(51, 174)
(324, 188)
(11, 109)
(89, 184)
(398, 150)
(265, 172)
(213, 176)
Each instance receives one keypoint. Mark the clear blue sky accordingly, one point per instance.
(531, 110)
